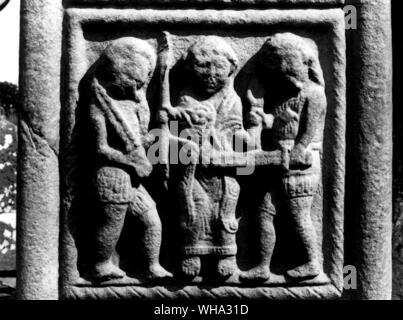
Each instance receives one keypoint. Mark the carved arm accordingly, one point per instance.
(314, 110)
(136, 162)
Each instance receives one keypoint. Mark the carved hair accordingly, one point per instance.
(214, 46)
(121, 53)
(283, 43)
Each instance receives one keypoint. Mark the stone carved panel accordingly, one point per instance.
(273, 79)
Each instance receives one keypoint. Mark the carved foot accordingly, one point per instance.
(191, 266)
(227, 266)
(260, 273)
(306, 271)
(107, 271)
(158, 272)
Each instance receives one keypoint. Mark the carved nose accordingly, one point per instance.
(134, 94)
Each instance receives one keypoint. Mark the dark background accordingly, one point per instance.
(398, 149)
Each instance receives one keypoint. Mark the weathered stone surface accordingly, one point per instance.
(202, 152)
(242, 68)
(369, 196)
(38, 179)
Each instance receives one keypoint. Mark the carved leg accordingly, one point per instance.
(300, 209)
(227, 264)
(107, 234)
(152, 244)
(185, 190)
(267, 241)
(191, 266)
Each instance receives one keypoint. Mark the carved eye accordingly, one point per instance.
(203, 64)
(273, 61)
(116, 91)
(139, 84)
(308, 62)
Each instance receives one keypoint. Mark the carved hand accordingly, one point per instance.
(288, 115)
(300, 158)
(255, 94)
(148, 140)
(191, 117)
(140, 164)
(258, 117)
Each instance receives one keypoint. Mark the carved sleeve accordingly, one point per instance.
(315, 108)
(102, 149)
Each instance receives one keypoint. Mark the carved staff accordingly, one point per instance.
(165, 60)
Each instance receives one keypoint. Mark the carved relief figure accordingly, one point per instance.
(210, 109)
(290, 98)
(119, 117)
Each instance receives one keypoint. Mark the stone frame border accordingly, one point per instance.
(39, 179)
(332, 21)
(206, 3)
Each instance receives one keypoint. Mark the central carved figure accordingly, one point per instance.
(210, 111)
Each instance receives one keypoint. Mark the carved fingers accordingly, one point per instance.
(141, 165)
(288, 115)
(255, 94)
(300, 157)
(148, 140)
(257, 117)
(191, 117)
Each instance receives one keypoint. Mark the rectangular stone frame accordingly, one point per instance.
(332, 21)
(207, 3)
(39, 179)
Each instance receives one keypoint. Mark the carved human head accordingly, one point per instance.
(126, 68)
(212, 62)
(292, 58)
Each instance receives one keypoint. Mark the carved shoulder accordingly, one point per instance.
(316, 97)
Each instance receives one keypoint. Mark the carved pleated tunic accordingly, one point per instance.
(210, 226)
(125, 123)
(283, 135)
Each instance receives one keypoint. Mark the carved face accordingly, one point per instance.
(127, 79)
(211, 72)
(285, 65)
(126, 67)
(290, 58)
